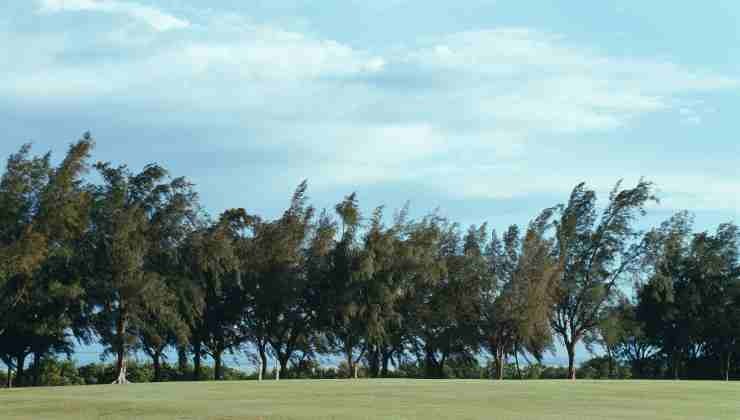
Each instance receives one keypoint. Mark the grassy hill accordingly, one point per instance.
(385, 399)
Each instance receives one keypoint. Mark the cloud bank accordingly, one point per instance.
(449, 113)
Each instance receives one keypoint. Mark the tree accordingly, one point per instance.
(667, 305)
(516, 319)
(43, 213)
(347, 310)
(715, 269)
(385, 255)
(126, 211)
(279, 293)
(596, 252)
(445, 305)
(623, 337)
(212, 298)
(22, 244)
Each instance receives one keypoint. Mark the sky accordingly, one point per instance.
(488, 110)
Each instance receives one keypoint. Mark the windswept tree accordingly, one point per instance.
(43, 214)
(345, 290)
(385, 254)
(717, 260)
(689, 304)
(444, 312)
(622, 336)
(212, 297)
(125, 289)
(517, 305)
(23, 245)
(596, 253)
(667, 306)
(279, 294)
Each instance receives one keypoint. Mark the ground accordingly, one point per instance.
(383, 399)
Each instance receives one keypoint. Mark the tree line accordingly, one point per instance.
(129, 260)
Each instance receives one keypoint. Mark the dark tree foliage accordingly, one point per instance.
(596, 252)
(130, 261)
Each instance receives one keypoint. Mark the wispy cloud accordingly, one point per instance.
(451, 113)
(157, 19)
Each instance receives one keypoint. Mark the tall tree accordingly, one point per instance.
(279, 291)
(716, 275)
(667, 306)
(451, 273)
(43, 213)
(349, 311)
(596, 253)
(516, 316)
(212, 299)
(122, 284)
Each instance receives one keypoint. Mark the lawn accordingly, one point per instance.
(384, 399)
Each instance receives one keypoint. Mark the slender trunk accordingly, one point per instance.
(283, 371)
(218, 365)
(516, 361)
(571, 348)
(182, 359)
(610, 360)
(10, 377)
(157, 366)
(674, 364)
(350, 361)
(36, 368)
(727, 365)
(196, 360)
(430, 364)
(500, 353)
(386, 360)
(121, 347)
(373, 358)
(19, 380)
(263, 361)
(441, 366)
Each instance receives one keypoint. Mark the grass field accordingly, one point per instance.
(383, 399)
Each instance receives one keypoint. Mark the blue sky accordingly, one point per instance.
(489, 110)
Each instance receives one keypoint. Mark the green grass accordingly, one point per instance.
(384, 399)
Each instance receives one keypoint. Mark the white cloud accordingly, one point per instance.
(457, 114)
(527, 77)
(157, 19)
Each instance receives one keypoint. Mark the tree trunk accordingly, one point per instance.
(36, 368)
(20, 379)
(218, 365)
(263, 362)
(121, 379)
(516, 361)
(500, 355)
(727, 365)
(10, 377)
(350, 362)
(196, 361)
(283, 371)
(386, 360)
(182, 359)
(121, 348)
(571, 348)
(373, 357)
(430, 365)
(674, 364)
(157, 366)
